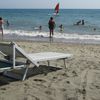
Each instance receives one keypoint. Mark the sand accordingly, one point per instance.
(80, 81)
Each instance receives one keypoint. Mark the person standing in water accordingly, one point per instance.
(83, 22)
(1, 26)
(61, 28)
(7, 23)
(51, 25)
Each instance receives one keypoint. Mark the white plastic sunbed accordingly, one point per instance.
(12, 51)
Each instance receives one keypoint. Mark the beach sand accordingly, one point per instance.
(80, 81)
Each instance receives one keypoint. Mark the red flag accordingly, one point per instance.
(57, 8)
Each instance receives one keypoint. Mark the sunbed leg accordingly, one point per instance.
(65, 63)
(24, 76)
(57, 63)
(48, 63)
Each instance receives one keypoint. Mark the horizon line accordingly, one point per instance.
(50, 8)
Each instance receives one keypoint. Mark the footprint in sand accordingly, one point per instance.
(40, 80)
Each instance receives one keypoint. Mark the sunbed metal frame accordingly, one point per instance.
(15, 51)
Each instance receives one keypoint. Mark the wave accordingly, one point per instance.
(31, 35)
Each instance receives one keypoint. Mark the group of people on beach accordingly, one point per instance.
(51, 26)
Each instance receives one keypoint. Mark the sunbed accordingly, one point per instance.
(12, 51)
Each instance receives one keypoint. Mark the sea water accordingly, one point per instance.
(24, 24)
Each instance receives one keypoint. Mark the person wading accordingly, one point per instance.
(51, 25)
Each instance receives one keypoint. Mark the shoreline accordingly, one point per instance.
(58, 37)
(51, 40)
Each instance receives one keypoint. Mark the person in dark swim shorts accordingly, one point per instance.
(51, 25)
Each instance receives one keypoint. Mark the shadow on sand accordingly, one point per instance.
(43, 69)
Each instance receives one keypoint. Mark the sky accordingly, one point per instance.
(67, 4)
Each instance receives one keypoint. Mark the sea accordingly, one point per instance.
(24, 25)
